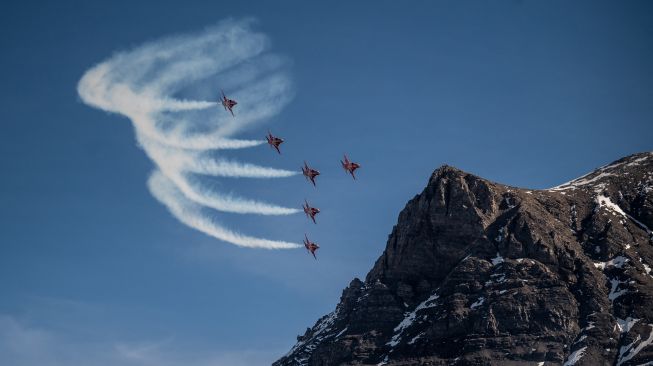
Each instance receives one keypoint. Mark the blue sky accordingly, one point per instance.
(95, 271)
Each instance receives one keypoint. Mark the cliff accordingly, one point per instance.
(480, 273)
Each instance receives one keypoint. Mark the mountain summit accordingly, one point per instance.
(480, 273)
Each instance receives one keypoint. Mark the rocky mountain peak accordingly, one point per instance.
(477, 273)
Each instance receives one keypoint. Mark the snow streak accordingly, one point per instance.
(163, 87)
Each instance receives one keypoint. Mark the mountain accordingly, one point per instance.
(480, 273)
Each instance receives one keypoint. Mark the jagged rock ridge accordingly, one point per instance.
(479, 273)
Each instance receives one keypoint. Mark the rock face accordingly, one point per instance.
(479, 273)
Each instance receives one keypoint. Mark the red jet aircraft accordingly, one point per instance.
(227, 103)
(310, 173)
(310, 211)
(274, 141)
(349, 166)
(311, 246)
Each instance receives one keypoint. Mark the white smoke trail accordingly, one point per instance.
(165, 191)
(176, 163)
(180, 128)
(184, 105)
(198, 162)
(222, 202)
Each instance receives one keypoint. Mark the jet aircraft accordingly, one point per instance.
(349, 166)
(274, 141)
(311, 246)
(310, 173)
(228, 104)
(310, 211)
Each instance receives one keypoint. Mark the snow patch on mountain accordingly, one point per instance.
(625, 325)
(617, 262)
(575, 356)
(629, 351)
(410, 318)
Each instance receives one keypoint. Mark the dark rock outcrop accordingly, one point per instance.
(479, 273)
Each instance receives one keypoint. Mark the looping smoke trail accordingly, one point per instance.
(167, 89)
(175, 164)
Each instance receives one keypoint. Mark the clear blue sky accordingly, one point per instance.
(95, 271)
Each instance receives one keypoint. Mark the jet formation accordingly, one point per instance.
(309, 173)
